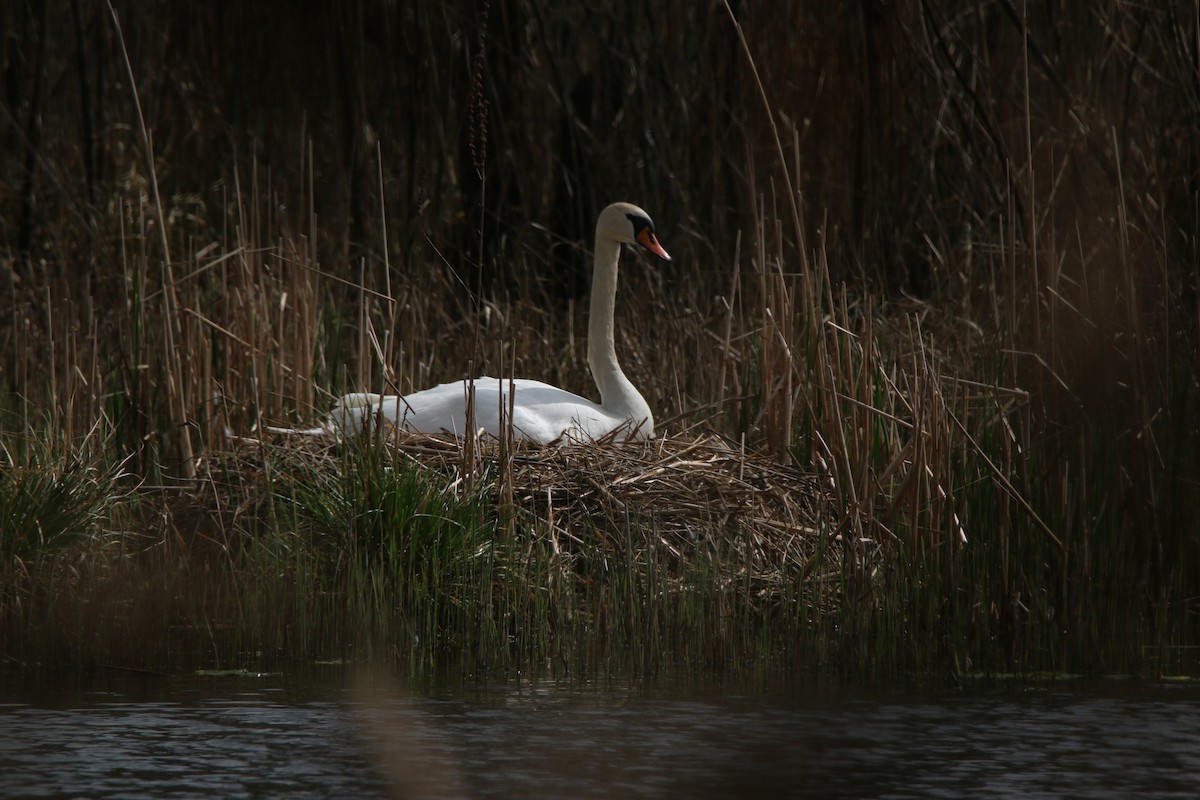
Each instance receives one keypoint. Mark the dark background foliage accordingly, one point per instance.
(912, 130)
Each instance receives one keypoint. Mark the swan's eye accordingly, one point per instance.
(639, 224)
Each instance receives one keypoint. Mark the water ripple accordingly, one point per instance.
(565, 742)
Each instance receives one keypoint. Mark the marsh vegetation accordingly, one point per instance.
(933, 311)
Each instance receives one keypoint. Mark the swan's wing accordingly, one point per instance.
(540, 412)
(430, 411)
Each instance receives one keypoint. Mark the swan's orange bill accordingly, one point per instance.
(648, 240)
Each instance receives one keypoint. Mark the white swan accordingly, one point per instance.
(540, 412)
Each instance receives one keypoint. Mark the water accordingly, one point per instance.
(281, 736)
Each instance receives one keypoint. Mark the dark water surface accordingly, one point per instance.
(283, 736)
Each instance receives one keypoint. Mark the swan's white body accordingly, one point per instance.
(540, 412)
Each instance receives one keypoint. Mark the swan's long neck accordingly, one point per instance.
(617, 394)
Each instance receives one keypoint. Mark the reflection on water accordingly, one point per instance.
(242, 737)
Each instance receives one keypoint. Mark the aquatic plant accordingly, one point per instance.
(53, 497)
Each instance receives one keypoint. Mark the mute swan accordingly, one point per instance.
(540, 413)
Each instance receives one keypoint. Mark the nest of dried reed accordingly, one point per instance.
(688, 506)
(763, 525)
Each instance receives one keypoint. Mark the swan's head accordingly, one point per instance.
(625, 222)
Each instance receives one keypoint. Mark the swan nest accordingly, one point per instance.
(754, 524)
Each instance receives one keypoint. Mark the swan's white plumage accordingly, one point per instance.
(540, 412)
